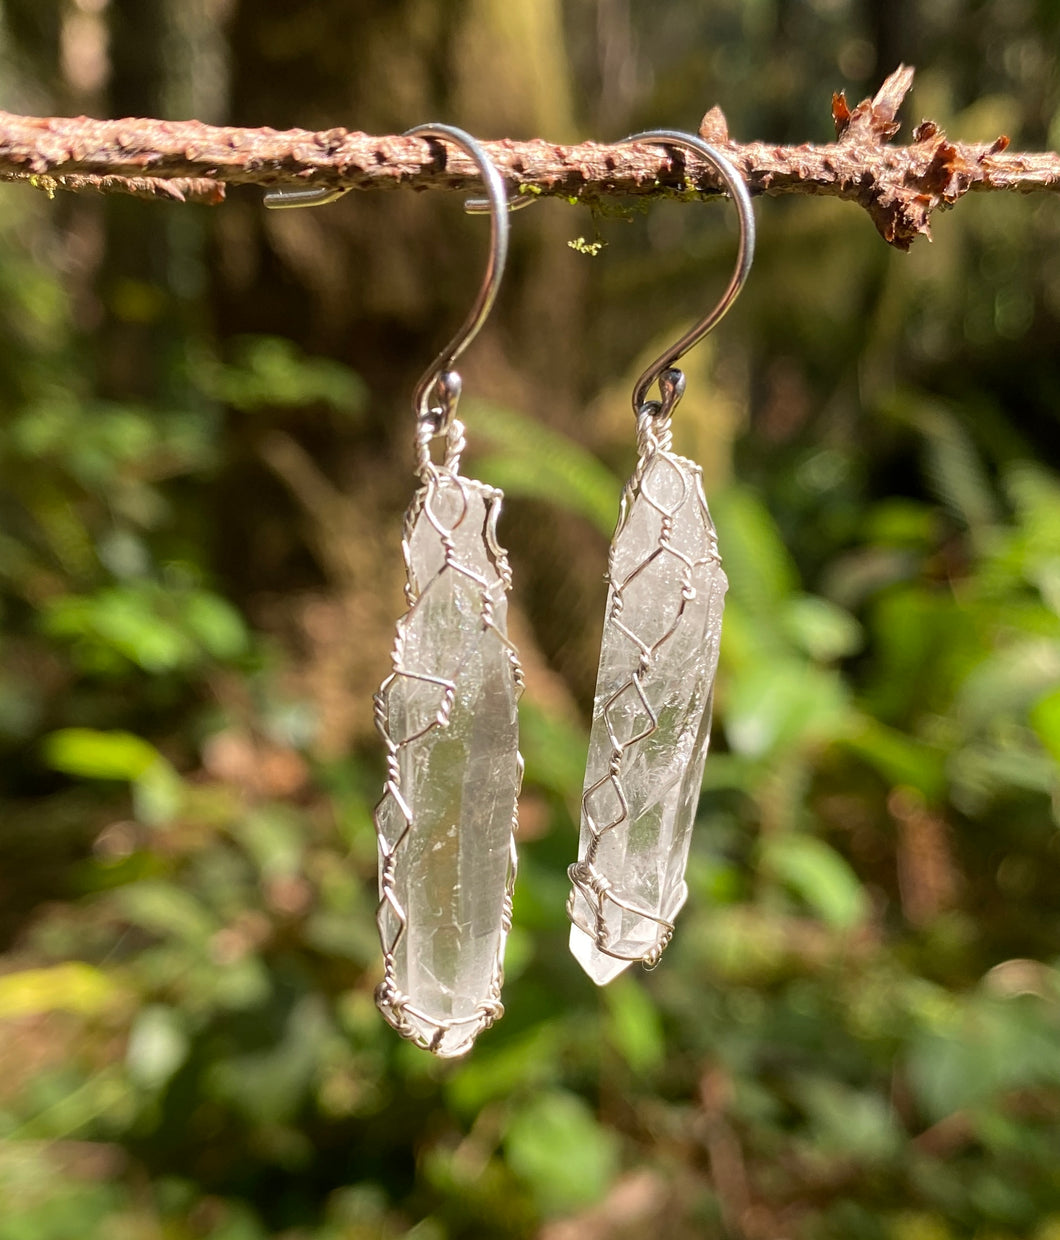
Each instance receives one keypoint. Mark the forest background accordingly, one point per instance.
(205, 449)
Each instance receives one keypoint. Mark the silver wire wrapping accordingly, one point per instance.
(652, 711)
(654, 689)
(447, 715)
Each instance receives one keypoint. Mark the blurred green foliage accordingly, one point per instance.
(856, 1032)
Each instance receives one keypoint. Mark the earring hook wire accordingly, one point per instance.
(314, 196)
(479, 206)
(439, 383)
(435, 396)
(741, 198)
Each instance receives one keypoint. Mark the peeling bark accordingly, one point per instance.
(900, 186)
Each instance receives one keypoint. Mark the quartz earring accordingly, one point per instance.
(447, 716)
(659, 655)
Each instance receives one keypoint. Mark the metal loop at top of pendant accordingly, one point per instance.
(737, 187)
(434, 397)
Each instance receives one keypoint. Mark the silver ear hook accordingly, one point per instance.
(434, 397)
(737, 188)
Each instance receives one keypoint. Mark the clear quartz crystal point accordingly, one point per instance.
(446, 821)
(651, 719)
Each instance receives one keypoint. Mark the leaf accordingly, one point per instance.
(528, 1061)
(981, 772)
(1035, 493)
(216, 624)
(269, 1085)
(898, 758)
(633, 1026)
(759, 567)
(924, 645)
(903, 523)
(819, 876)
(566, 1157)
(952, 463)
(71, 987)
(158, 795)
(272, 372)
(532, 461)
(158, 1045)
(779, 704)
(986, 1048)
(273, 835)
(819, 627)
(1007, 681)
(165, 910)
(158, 791)
(123, 620)
(159, 628)
(916, 1225)
(1045, 720)
(848, 1123)
(553, 749)
(91, 754)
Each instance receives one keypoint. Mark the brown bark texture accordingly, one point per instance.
(899, 186)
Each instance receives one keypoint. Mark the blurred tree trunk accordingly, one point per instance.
(895, 31)
(137, 313)
(138, 46)
(379, 282)
(35, 32)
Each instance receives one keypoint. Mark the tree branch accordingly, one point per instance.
(900, 186)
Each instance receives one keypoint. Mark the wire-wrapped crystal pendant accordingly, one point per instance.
(651, 717)
(446, 822)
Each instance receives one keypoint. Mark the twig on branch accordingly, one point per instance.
(174, 189)
(900, 186)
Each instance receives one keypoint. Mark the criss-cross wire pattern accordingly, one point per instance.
(395, 819)
(605, 802)
(646, 814)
